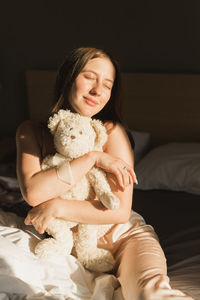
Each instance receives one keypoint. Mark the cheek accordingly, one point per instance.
(72, 94)
(82, 86)
(107, 96)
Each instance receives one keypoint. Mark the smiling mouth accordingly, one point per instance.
(90, 101)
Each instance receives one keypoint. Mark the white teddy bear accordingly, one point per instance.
(74, 136)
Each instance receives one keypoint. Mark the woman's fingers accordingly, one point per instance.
(119, 177)
(40, 216)
(123, 177)
(128, 175)
(27, 220)
(39, 223)
(124, 173)
(40, 228)
(131, 173)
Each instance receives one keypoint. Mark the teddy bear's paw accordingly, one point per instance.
(99, 261)
(60, 229)
(51, 247)
(110, 201)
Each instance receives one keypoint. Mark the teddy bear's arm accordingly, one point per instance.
(52, 161)
(97, 179)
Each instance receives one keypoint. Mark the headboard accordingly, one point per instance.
(166, 105)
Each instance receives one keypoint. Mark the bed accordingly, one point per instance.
(162, 112)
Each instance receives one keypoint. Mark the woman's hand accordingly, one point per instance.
(124, 173)
(41, 215)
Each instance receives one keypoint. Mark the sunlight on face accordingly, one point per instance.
(92, 88)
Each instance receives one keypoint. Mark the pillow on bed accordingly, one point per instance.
(142, 144)
(173, 166)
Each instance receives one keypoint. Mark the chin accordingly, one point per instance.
(87, 113)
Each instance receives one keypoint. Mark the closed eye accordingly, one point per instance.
(108, 86)
(89, 75)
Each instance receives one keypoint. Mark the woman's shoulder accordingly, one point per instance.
(31, 132)
(115, 129)
(118, 143)
(118, 132)
(35, 134)
(28, 128)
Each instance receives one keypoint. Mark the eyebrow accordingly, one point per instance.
(88, 70)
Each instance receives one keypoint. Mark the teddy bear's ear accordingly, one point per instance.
(101, 135)
(56, 118)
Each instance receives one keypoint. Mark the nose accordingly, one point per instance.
(73, 137)
(96, 89)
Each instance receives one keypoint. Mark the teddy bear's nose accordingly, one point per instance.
(73, 137)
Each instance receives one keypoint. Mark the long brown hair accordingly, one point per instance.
(68, 72)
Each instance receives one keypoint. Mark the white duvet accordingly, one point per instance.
(24, 276)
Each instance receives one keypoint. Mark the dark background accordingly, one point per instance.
(144, 36)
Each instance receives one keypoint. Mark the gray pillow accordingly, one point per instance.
(173, 166)
(142, 144)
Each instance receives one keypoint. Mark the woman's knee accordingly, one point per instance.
(141, 264)
(154, 281)
(146, 288)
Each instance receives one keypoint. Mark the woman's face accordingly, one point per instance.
(91, 89)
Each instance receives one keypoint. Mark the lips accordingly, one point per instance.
(90, 101)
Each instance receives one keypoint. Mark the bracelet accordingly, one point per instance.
(64, 173)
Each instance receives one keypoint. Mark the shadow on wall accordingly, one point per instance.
(7, 149)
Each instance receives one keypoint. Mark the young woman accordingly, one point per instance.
(88, 83)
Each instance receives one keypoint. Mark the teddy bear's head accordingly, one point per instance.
(75, 135)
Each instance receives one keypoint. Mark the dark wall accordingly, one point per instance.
(149, 36)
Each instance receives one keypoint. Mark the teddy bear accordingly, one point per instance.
(75, 135)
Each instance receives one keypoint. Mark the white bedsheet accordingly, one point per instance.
(24, 276)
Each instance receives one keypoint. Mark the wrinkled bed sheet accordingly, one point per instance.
(24, 276)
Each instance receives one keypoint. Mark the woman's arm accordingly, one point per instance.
(36, 185)
(93, 212)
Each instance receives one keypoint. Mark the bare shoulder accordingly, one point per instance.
(118, 143)
(29, 137)
(116, 132)
(27, 128)
(34, 137)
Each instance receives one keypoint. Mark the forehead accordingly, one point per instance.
(102, 65)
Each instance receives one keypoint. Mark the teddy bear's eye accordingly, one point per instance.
(71, 128)
(80, 132)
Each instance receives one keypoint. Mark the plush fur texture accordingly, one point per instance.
(74, 136)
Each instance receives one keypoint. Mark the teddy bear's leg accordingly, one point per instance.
(93, 258)
(60, 243)
(109, 200)
(102, 189)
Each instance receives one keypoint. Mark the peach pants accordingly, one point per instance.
(140, 262)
